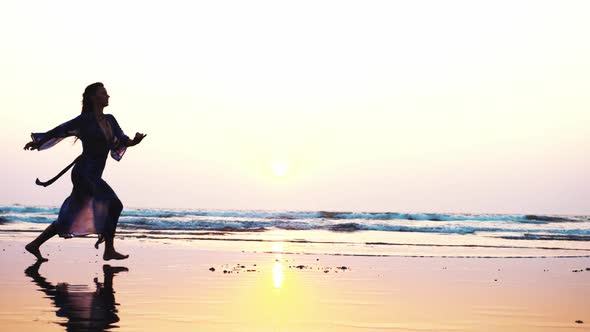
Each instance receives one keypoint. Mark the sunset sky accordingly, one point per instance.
(407, 106)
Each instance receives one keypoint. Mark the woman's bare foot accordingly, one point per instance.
(35, 251)
(107, 256)
(112, 270)
(100, 240)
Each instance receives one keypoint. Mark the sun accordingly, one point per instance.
(279, 168)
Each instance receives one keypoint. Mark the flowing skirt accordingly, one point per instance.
(92, 208)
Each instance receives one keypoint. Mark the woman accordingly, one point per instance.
(93, 207)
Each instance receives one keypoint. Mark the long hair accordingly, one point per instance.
(87, 105)
(90, 91)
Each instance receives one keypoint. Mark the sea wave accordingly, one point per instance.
(293, 215)
(334, 221)
(245, 225)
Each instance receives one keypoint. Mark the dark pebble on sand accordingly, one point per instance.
(342, 268)
(579, 322)
(225, 271)
(212, 269)
(588, 269)
(301, 267)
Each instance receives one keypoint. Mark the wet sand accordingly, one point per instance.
(231, 287)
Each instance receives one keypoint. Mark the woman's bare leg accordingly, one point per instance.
(109, 249)
(33, 247)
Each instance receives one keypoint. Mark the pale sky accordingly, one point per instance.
(407, 106)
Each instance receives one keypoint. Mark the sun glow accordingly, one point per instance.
(280, 168)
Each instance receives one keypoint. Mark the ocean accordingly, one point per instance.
(341, 232)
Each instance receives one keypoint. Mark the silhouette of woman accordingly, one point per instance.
(93, 207)
(85, 310)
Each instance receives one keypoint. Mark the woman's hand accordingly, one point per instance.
(137, 139)
(31, 146)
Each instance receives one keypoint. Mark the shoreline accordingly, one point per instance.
(358, 243)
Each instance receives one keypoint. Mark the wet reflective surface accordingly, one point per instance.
(186, 288)
(84, 308)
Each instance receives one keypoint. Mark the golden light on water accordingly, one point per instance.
(277, 270)
(277, 275)
(277, 247)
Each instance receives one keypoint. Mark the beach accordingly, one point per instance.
(236, 286)
(295, 166)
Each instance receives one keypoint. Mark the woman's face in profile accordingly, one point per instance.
(102, 97)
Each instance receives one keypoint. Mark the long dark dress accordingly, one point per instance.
(93, 207)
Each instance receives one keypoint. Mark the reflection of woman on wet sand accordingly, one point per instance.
(84, 310)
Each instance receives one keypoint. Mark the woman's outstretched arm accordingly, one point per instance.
(122, 141)
(124, 138)
(42, 141)
(31, 146)
(136, 140)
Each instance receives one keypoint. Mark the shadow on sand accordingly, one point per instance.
(84, 310)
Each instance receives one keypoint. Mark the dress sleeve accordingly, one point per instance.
(119, 144)
(46, 140)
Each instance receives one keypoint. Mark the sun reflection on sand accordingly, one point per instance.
(277, 270)
(278, 248)
(277, 275)
(278, 298)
